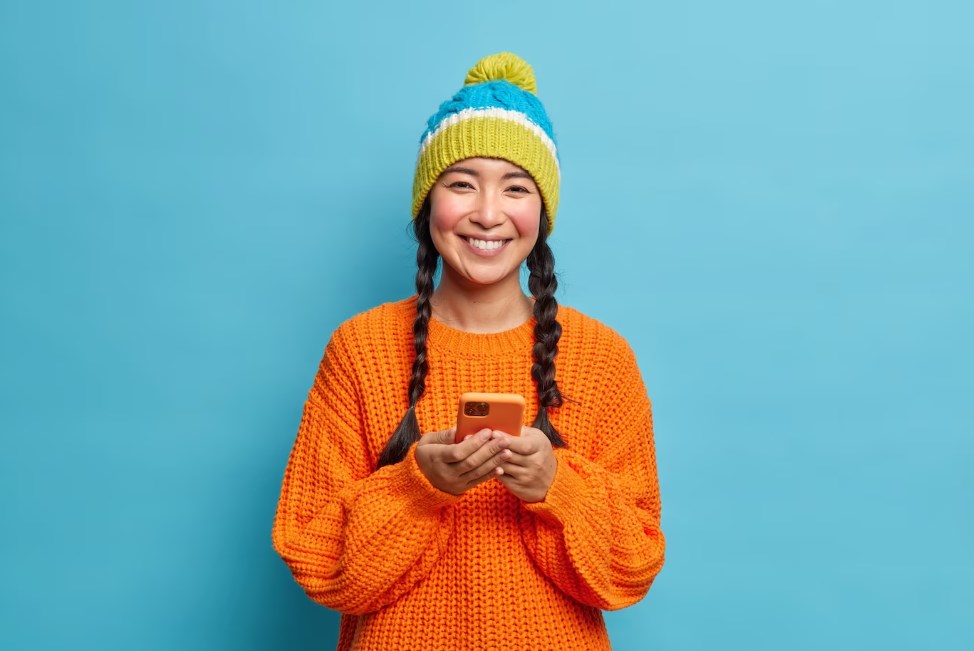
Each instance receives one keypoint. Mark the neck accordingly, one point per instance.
(481, 309)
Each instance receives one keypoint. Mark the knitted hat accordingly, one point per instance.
(495, 115)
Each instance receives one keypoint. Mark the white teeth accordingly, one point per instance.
(486, 245)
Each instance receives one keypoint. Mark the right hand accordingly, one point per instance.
(457, 467)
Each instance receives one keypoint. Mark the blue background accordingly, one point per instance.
(772, 201)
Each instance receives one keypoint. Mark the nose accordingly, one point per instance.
(489, 211)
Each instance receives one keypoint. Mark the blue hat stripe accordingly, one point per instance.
(493, 94)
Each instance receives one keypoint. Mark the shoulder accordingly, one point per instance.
(385, 326)
(583, 331)
(589, 347)
(380, 319)
(595, 363)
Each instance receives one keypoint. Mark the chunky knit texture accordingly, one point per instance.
(496, 114)
(414, 568)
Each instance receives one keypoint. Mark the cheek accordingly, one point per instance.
(527, 221)
(442, 224)
(445, 212)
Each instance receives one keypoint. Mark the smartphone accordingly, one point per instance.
(501, 411)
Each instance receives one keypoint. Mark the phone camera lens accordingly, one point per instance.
(476, 409)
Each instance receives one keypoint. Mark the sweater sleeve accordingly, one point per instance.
(354, 539)
(597, 533)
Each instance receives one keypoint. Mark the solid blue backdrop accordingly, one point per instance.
(771, 201)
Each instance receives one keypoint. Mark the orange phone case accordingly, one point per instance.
(500, 411)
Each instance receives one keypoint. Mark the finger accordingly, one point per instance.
(519, 460)
(479, 481)
(443, 437)
(509, 480)
(455, 453)
(483, 460)
(518, 444)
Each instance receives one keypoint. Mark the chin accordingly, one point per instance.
(480, 277)
(484, 280)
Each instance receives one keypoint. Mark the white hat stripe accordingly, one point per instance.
(503, 114)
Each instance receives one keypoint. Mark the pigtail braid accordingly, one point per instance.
(427, 258)
(547, 331)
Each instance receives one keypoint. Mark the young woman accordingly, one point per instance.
(504, 540)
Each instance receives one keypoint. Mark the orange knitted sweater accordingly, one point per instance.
(414, 568)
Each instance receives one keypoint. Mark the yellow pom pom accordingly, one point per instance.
(503, 66)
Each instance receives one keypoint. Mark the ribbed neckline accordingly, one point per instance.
(459, 342)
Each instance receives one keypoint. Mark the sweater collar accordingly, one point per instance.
(444, 338)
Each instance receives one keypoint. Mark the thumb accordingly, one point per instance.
(444, 437)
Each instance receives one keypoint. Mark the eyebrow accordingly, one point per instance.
(472, 172)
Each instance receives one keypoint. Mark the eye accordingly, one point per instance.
(460, 185)
(518, 189)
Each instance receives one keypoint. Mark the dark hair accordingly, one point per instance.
(542, 284)
(547, 331)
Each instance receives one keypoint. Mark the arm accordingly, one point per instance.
(597, 534)
(354, 541)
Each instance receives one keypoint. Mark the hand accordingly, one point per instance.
(528, 463)
(457, 467)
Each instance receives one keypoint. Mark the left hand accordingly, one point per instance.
(528, 463)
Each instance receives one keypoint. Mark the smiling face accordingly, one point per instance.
(484, 219)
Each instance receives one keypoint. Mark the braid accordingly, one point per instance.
(547, 331)
(427, 257)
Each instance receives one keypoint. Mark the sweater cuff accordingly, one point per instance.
(562, 495)
(411, 485)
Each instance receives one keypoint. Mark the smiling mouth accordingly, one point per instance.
(485, 245)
